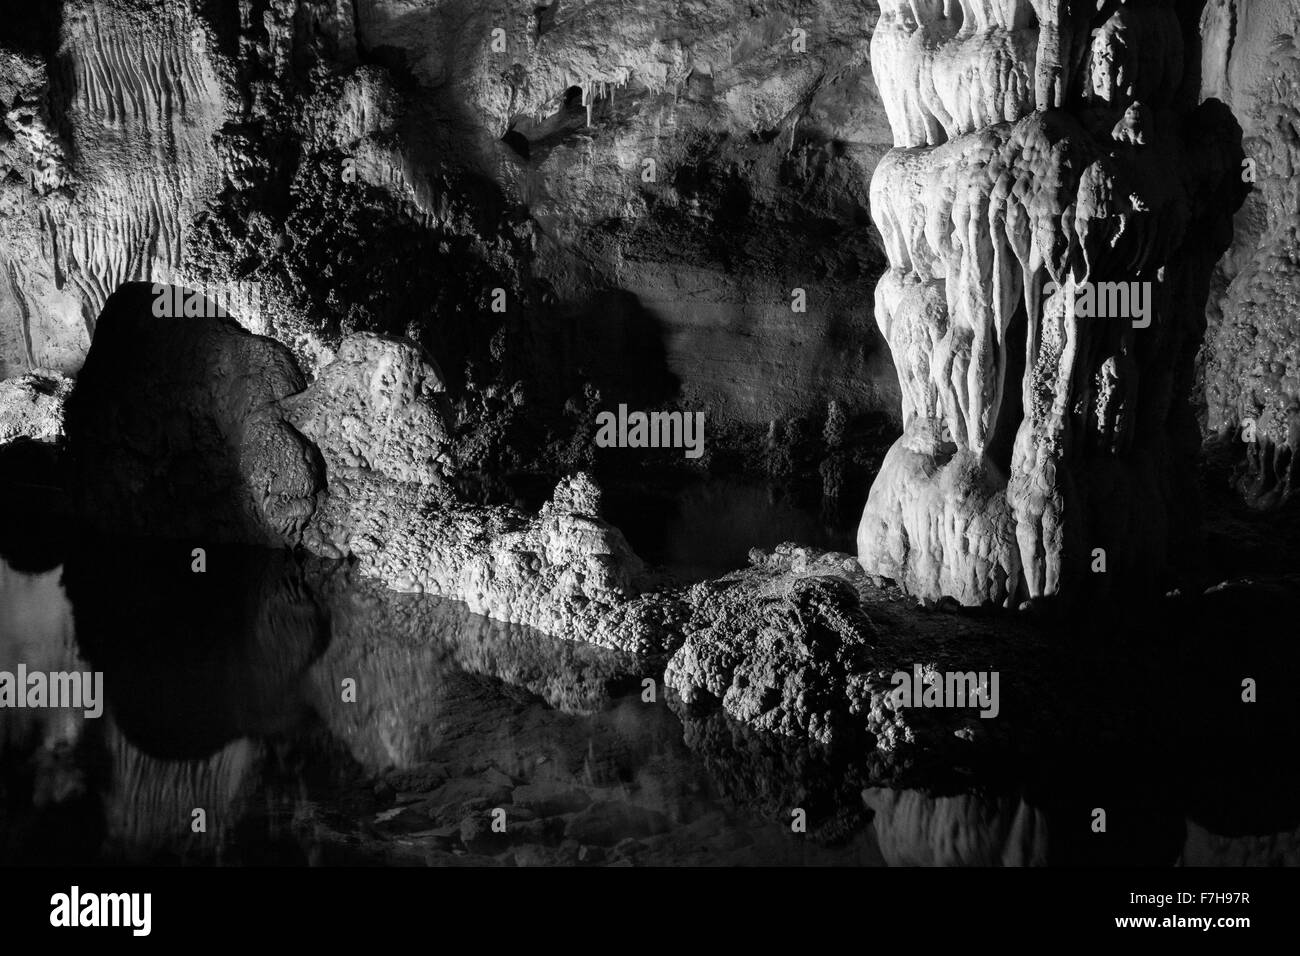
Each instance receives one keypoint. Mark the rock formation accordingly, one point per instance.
(379, 407)
(1251, 61)
(563, 571)
(462, 228)
(106, 156)
(782, 653)
(353, 466)
(1043, 152)
(175, 431)
(31, 406)
(377, 166)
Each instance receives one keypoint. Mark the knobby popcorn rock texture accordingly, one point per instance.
(1035, 144)
(31, 406)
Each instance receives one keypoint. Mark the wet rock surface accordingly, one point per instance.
(563, 571)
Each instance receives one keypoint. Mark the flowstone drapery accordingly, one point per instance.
(1052, 209)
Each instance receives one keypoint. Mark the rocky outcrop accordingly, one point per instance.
(804, 645)
(563, 571)
(189, 429)
(782, 653)
(632, 179)
(31, 406)
(1041, 161)
(803, 642)
(380, 408)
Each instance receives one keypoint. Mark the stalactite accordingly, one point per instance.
(1036, 431)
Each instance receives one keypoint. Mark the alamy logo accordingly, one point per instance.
(930, 688)
(76, 690)
(1108, 300)
(208, 300)
(652, 430)
(73, 909)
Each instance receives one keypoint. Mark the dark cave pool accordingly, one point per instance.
(702, 529)
(276, 710)
(228, 693)
(696, 528)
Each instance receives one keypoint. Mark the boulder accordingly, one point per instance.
(175, 430)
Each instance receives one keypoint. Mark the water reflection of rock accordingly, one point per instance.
(614, 787)
(36, 629)
(775, 775)
(194, 661)
(84, 775)
(208, 675)
(197, 668)
(985, 828)
(1204, 848)
(401, 648)
(970, 829)
(43, 786)
(149, 802)
(224, 693)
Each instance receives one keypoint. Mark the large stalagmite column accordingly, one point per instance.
(1051, 213)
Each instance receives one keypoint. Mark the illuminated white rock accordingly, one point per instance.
(1035, 161)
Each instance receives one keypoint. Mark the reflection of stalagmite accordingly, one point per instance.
(149, 804)
(1204, 848)
(915, 829)
(36, 631)
(1039, 158)
(1251, 60)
